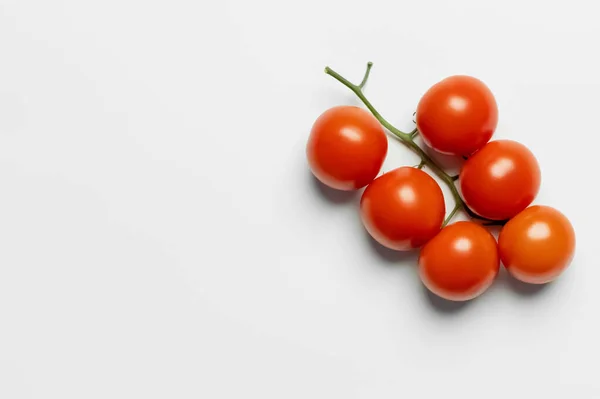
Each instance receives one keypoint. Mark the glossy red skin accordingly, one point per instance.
(457, 115)
(346, 148)
(460, 263)
(537, 245)
(500, 180)
(403, 209)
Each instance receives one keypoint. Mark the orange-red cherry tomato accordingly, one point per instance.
(500, 180)
(403, 208)
(459, 263)
(537, 245)
(457, 115)
(346, 148)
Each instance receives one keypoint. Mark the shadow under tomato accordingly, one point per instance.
(390, 256)
(450, 163)
(444, 306)
(332, 195)
(524, 289)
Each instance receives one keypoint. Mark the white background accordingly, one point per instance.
(162, 237)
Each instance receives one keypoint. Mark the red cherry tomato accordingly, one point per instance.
(537, 245)
(346, 148)
(500, 180)
(403, 208)
(460, 263)
(457, 115)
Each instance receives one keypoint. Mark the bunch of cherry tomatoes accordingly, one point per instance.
(404, 209)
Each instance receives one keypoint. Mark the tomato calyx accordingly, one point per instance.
(408, 140)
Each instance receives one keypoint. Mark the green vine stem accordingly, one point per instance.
(408, 140)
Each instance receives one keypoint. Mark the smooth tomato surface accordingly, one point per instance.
(537, 245)
(403, 209)
(457, 115)
(346, 148)
(460, 263)
(500, 180)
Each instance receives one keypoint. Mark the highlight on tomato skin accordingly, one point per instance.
(460, 263)
(346, 148)
(500, 180)
(403, 209)
(537, 245)
(457, 116)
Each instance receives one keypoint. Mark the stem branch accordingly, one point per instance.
(366, 77)
(407, 140)
(404, 137)
(451, 215)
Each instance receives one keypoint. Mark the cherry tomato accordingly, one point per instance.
(346, 148)
(500, 180)
(537, 245)
(403, 209)
(460, 263)
(457, 115)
